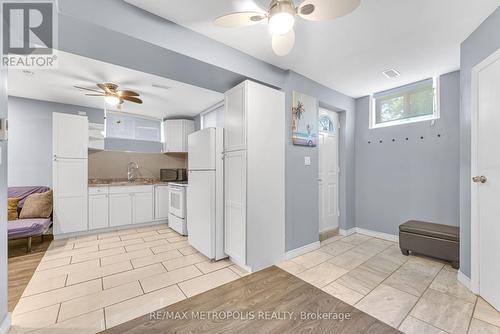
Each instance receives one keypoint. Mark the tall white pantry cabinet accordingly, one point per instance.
(254, 175)
(70, 172)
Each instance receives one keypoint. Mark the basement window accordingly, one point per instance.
(415, 102)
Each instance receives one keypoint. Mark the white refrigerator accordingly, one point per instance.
(205, 194)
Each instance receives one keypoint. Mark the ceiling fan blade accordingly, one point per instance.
(283, 44)
(132, 99)
(90, 90)
(95, 94)
(108, 87)
(239, 19)
(127, 93)
(318, 10)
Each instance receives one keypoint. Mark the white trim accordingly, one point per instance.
(434, 116)
(464, 280)
(109, 229)
(302, 250)
(474, 219)
(371, 233)
(5, 325)
(348, 232)
(380, 235)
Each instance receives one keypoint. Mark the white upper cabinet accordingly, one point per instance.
(234, 119)
(70, 136)
(176, 133)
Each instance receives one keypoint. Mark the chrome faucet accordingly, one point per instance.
(132, 169)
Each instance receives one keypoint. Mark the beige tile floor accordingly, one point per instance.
(414, 294)
(90, 283)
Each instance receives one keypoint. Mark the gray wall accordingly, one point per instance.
(30, 139)
(409, 179)
(157, 46)
(302, 213)
(478, 46)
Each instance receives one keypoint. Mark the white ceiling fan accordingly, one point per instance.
(281, 18)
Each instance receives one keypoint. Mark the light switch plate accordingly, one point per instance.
(307, 161)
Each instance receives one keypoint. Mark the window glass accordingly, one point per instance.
(414, 102)
(213, 118)
(119, 125)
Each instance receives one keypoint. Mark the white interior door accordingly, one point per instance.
(328, 170)
(488, 165)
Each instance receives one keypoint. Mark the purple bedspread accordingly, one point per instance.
(23, 192)
(28, 227)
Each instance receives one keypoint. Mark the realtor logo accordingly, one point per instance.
(29, 34)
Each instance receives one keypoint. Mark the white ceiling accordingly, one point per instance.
(57, 86)
(419, 38)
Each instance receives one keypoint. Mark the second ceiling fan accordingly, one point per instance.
(281, 18)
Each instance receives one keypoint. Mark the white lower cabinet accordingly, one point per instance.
(120, 209)
(142, 207)
(120, 206)
(98, 212)
(161, 202)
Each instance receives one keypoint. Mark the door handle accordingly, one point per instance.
(479, 179)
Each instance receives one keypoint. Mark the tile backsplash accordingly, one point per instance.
(112, 164)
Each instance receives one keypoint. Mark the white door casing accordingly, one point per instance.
(328, 175)
(485, 230)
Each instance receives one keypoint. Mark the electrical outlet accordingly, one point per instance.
(307, 161)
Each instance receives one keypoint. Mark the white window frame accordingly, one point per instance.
(209, 110)
(435, 115)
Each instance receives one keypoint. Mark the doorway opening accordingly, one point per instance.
(328, 174)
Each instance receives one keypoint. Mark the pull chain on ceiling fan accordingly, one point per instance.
(281, 18)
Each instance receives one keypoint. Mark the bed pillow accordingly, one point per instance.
(12, 208)
(37, 206)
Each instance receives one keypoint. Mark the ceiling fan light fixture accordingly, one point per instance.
(281, 17)
(112, 100)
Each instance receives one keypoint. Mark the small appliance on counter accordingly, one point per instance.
(177, 207)
(205, 194)
(170, 175)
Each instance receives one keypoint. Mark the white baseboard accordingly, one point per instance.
(380, 235)
(5, 325)
(464, 280)
(347, 232)
(302, 250)
(108, 229)
(375, 234)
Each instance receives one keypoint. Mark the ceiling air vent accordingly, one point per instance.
(391, 73)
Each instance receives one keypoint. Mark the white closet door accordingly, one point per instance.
(234, 119)
(235, 205)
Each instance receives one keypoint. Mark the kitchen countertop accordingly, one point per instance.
(124, 182)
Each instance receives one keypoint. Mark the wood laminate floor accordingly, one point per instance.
(22, 265)
(258, 298)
